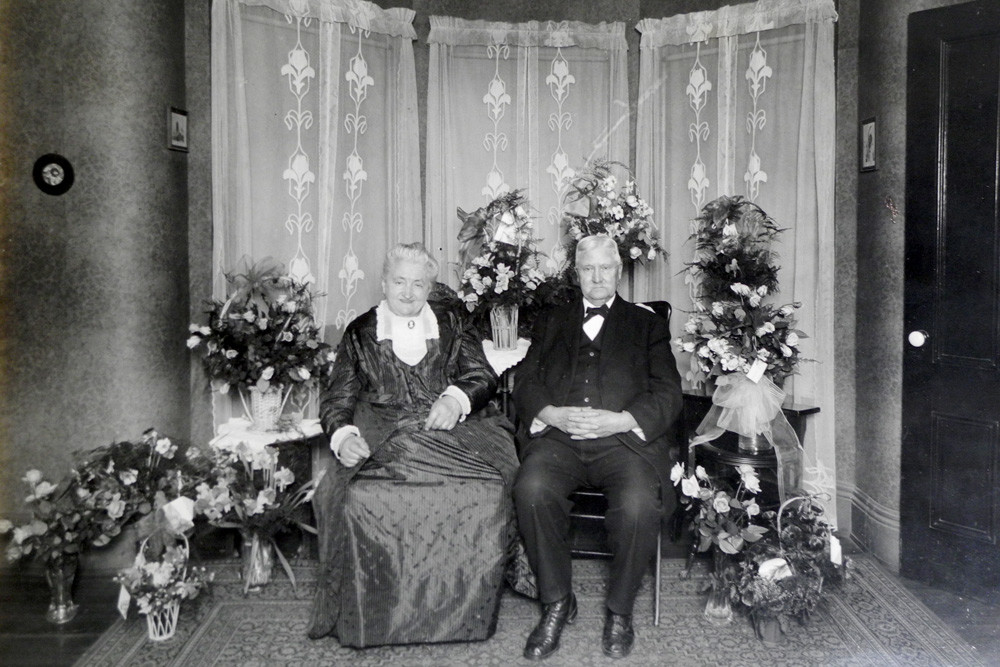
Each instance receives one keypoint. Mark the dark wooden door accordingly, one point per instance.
(950, 496)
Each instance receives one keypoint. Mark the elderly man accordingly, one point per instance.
(415, 516)
(597, 396)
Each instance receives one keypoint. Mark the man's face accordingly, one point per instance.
(406, 287)
(599, 271)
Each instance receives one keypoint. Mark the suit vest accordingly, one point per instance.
(585, 390)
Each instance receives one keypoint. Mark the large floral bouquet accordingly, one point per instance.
(140, 477)
(500, 265)
(108, 488)
(614, 209)
(67, 517)
(155, 584)
(784, 574)
(248, 489)
(733, 326)
(263, 334)
(730, 336)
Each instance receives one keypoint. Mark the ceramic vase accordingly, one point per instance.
(768, 630)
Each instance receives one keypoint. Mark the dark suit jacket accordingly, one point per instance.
(637, 373)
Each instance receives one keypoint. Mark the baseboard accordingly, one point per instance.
(874, 526)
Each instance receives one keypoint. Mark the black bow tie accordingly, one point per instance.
(592, 312)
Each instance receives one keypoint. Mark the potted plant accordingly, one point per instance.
(247, 489)
(785, 575)
(500, 266)
(263, 341)
(724, 518)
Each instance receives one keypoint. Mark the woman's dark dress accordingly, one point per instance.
(413, 543)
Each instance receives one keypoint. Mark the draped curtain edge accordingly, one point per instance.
(732, 20)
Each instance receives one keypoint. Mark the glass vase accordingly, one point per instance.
(755, 444)
(258, 560)
(768, 630)
(718, 609)
(503, 322)
(60, 573)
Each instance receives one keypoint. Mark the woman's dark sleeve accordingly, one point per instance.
(339, 393)
(474, 376)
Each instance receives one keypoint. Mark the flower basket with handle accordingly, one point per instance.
(159, 580)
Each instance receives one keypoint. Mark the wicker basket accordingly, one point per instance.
(265, 408)
(162, 623)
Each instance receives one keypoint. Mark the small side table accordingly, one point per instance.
(503, 363)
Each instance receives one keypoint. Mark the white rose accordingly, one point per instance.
(33, 477)
(774, 569)
(676, 473)
(792, 340)
(688, 346)
(651, 255)
(192, 342)
(635, 253)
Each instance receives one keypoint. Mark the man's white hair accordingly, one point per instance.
(598, 242)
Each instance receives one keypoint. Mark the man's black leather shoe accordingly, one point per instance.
(618, 635)
(544, 639)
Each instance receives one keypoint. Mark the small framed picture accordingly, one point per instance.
(867, 144)
(177, 129)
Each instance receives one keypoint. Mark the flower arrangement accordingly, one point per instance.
(66, 518)
(618, 212)
(155, 584)
(500, 265)
(731, 336)
(733, 328)
(263, 335)
(721, 516)
(107, 489)
(784, 575)
(247, 489)
(137, 478)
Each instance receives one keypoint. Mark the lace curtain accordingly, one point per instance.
(315, 145)
(519, 106)
(741, 101)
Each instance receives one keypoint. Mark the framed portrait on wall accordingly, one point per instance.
(177, 129)
(867, 144)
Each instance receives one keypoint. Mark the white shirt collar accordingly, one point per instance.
(389, 326)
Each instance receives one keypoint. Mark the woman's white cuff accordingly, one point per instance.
(341, 434)
(459, 395)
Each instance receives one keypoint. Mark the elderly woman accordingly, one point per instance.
(415, 515)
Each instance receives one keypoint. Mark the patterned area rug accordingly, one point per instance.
(872, 620)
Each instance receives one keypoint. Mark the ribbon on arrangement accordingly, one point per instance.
(749, 408)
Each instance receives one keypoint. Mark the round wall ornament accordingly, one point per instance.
(53, 174)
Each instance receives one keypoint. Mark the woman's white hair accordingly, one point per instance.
(598, 242)
(410, 252)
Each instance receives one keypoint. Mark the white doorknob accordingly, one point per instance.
(918, 338)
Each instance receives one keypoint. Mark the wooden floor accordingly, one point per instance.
(27, 639)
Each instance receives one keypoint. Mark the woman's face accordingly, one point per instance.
(406, 287)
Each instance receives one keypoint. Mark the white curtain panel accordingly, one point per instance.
(740, 101)
(519, 106)
(315, 159)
